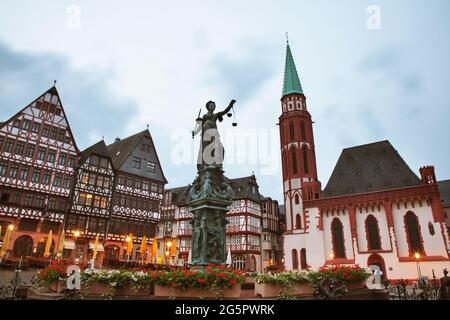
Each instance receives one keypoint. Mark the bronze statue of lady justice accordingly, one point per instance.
(210, 193)
(211, 151)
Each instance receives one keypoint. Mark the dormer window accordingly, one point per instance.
(150, 167)
(136, 163)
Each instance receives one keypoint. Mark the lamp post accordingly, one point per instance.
(76, 235)
(169, 245)
(128, 240)
(419, 273)
(332, 258)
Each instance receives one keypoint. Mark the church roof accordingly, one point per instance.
(98, 148)
(291, 82)
(444, 189)
(367, 168)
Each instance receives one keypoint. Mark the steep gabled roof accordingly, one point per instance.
(121, 150)
(444, 189)
(367, 168)
(52, 91)
(98, 148)
(243, 188)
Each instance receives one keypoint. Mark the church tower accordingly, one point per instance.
(298, 157)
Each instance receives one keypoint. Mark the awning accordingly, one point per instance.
(69, 244)
(99, 246)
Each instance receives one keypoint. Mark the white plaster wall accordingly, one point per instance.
(311, 241)
(433, 245)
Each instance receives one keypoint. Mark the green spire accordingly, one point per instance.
(291, 82)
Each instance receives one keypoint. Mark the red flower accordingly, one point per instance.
(232, 281)
(201, 280)
(221, 275)
(174, 284)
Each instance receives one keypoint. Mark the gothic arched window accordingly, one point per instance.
(294, 162)
(294, 259)
(413, 233)
(297, 199)
(303, 263)
(302, 130)
(298, 221)
(373, 233)
(291, 130)
(337, 232)
(305, 160)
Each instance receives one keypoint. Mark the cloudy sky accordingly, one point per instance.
(123, 65)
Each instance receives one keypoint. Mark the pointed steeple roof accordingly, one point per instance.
(291, 82)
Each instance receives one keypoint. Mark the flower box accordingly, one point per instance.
(95, 288)
(250, 279)
(57, 286)
(270, 290)
(355, 284)
(130, 291)
(228, 293)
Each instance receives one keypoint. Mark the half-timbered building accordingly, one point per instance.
(271, 237)
(90, 203)
(137, 196)
(37, 165)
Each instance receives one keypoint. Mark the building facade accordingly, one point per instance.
(137, 197)
(113, 192)
(37, 168)
(374, 209)
(271, 244)
(90, 204)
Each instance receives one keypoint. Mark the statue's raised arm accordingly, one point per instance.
(222, 113)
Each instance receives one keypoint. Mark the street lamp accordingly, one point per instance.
(128, 240)
(11, 227)
(419, 273)
(76, 234)
(169, 245)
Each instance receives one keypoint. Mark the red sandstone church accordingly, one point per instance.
(374, 209)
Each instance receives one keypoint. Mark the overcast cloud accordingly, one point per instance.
(120, 67)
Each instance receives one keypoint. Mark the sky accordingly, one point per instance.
(371, 71)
